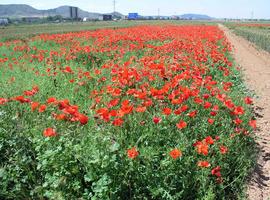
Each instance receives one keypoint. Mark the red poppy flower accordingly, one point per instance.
(181, 124)
(156, 120)
(210, 121)
(167, 111)
(248, 100)
(118, 122)
(202, 148)
(223, 149)
(239, 110)
(113, 103)
(140, 109)
(215, 108)
(34, 105)
(237, 121)
(60, 117)
(51, 100)
(213, 113)
(253, 124)
(175, 153)
(132, 153)
(184, 108)
(207, 105)
(203, 164)
(209, 140)
(82, 118)
(42, 108)
(216, 171)
(68, 69)
(192, 114)
(28, 93)
(3, 101)
(49, 132)
(21, 99)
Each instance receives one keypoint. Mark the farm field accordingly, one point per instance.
(257, 33)
(144, 112)
(24, 31)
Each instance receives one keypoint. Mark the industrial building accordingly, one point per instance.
(133, 16)
(73, 12)
(107, 17)
(3, 21)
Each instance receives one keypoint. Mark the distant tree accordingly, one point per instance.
(58, 17)
(50, 18)
(54, 18)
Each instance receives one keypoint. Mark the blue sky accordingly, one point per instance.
(214, 8)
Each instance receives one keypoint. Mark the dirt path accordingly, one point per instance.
(256, 66)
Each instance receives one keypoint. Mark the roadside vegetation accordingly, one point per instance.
(257, 33)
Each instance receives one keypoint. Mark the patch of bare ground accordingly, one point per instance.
(256, 66)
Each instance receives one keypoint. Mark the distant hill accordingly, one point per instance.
(22, 10)
(18, 10)
(195, 17)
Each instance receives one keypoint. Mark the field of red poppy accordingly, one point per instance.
(145, 112)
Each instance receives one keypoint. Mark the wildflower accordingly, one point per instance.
(49, 132)
(253, 124)
(51, 100)
(192, 114)
(239, 110)
(3, 101)
(167, 111)
(118, 122)
(237, 121)
(209, 140)
(157, 120)
(132, 153)
(202, 148)
(181, 124)
(184, 108)
(34, 105)
(82, 118)
(213, 113)
(141, 109)
(203, 164)
(216, 171)
(223, 149)
(21, 99)
(248, 100)
(207, 105)
(113, 103)
(60, 116)
(210, 121)
(42, 108)
(175, 153)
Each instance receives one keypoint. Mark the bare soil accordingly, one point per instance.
(256, 68)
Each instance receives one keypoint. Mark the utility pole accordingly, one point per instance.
(158, 13)
(114, 2)
(252, 15)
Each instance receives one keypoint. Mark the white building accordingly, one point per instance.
(3, 21)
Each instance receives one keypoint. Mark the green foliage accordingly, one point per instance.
(90, 161)
(259, 35)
